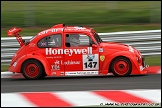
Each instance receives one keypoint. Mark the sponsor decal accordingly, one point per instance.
(52, 43)
(53, 57)
(12, 30)
(56, 65)
(43, 44)
(79, 28)
(50, 30)
(76, 29)
(100, 49)
(57, 62)
(90, 62)
(53, 73)
(32, 44)
(57, 57)
(90, 57)
(102, 58)
(70, 52)
(62, 73)
(70, 62)
(15, 63)
(81, 73)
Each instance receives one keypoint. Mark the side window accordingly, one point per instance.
(75, 40)
(50, 41)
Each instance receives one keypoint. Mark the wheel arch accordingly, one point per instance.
(44, 62)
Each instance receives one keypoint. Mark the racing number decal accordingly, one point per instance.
(90, 62)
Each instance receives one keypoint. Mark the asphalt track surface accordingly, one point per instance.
(80, 83)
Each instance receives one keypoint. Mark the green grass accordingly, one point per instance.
(48, 13)
(150, 60)
(153, 60)
(103, 16)
(4, 67)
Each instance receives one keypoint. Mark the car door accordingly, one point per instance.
(80, 58)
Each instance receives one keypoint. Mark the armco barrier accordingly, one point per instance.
(148, 42)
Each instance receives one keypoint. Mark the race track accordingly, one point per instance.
(151, 81)
(142, 90)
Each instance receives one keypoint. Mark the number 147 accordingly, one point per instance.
(90, 64)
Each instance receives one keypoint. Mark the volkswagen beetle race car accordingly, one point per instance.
(71, 51)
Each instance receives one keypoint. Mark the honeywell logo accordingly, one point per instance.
(70, 52)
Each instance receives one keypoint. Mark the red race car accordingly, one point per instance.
(71, 51)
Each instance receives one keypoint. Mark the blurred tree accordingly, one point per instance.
(155, 15)
(29, 14)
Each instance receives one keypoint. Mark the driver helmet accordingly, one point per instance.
(74, 39)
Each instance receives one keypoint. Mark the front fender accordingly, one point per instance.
(38, 57)
(110, 57)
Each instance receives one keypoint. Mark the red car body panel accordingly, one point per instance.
(62, 61)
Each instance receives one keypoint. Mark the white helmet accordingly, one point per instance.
(74, 39)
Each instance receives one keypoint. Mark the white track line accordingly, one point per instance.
(153, 95)
(14, 100)
(82, 98)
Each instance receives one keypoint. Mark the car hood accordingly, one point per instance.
(115, 45)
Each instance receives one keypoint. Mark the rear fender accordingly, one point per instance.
(36, 57)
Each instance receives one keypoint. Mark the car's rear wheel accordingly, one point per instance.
(33, 69)
(121, 66)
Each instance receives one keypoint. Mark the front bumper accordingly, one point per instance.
(140, 67)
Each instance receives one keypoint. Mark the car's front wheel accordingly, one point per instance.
(33, 69)
(121, 66)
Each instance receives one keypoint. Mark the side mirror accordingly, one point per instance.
(94, 46)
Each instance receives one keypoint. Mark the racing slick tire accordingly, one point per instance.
(121, 66)
(33, 69)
